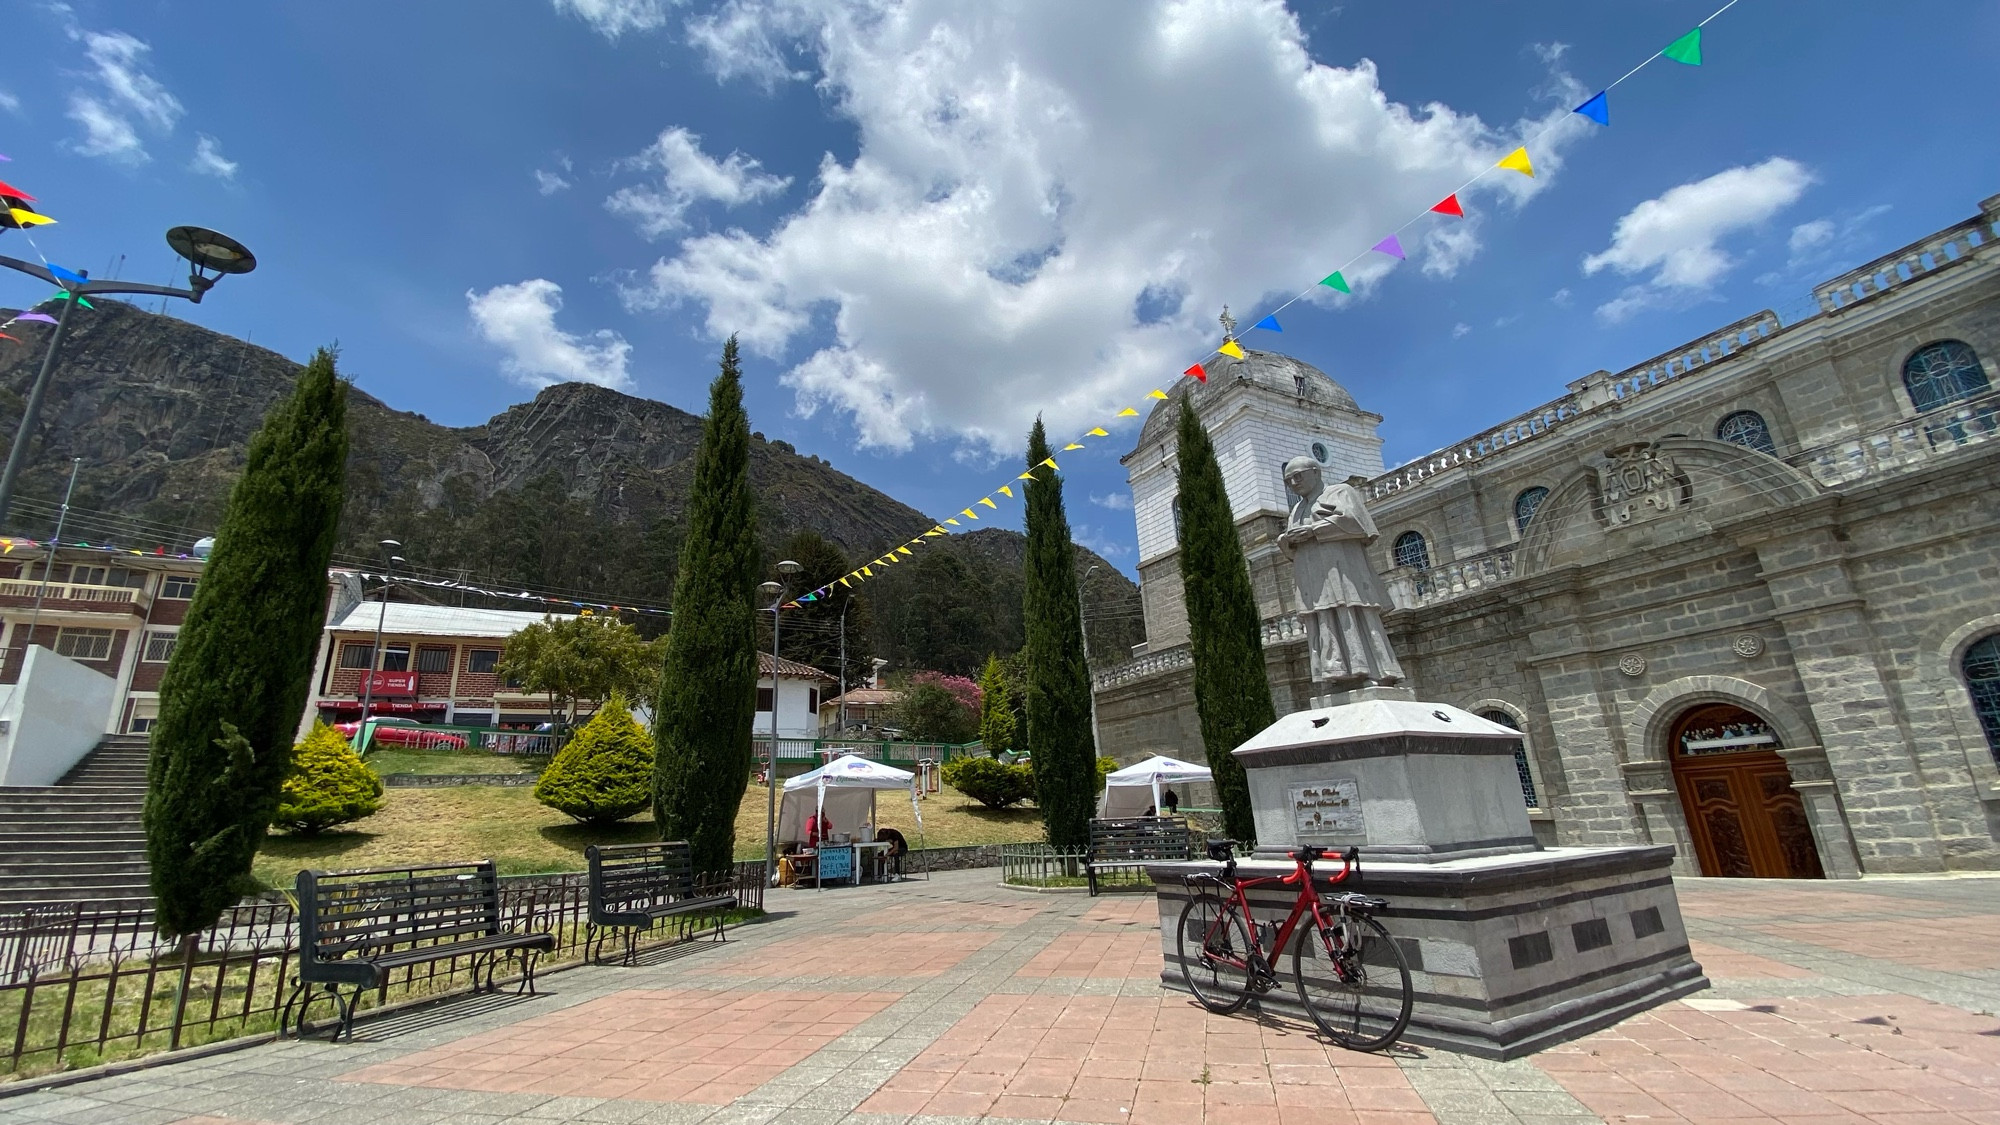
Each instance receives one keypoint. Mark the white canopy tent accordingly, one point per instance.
(844, 791)
(1130, 791)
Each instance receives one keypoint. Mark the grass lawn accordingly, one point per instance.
(472, 822)
(387, 760)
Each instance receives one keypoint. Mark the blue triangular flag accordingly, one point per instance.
(1597, 109)
(66, 275)
(1270, 322)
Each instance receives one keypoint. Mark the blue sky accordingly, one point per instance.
(930, 220)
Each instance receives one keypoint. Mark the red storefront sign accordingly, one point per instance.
(389, 684)
(380, 706)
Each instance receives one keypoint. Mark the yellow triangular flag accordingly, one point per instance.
(953, 523)
(26, 218)
(1097, 431)
(867, 573)
(988, 501)
(843, 582)
(1128, 412)
(1070, 446)
(1518, 161)
(1157, 394)
(969, 514)
(1050, 462)
(1007, 489)
(939, 529)
(1232, 349)
(1025, 476)
(934, 531)
(904, 550)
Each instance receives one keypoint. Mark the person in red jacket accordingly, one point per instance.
(819, 826)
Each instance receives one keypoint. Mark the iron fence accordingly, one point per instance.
(81, 984)
(1039, 865)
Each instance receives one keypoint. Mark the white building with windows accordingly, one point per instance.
(795, 691)
(1739, 598)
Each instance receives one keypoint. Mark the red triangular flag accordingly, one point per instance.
(1197, 372)
(1449, 206)
(159, 550)
(9, 189)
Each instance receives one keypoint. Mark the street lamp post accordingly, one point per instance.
(363, 731)
(203, 248)
(840, 720)
(776, 592)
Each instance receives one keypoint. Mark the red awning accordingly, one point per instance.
(380, 706)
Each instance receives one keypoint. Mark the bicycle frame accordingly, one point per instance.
(1308, 901)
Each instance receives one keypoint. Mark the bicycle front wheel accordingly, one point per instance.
(1214, 947)
(1354, 982)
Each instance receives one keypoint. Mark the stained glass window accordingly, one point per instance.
(1943, 373)
(1525, 505)
(1981, 666)
(1747, 429)
(1411, 550)
(1520, 757)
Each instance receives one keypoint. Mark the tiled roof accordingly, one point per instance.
(789, 669)
(411, 619)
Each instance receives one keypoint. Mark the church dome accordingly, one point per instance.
(1281, 374)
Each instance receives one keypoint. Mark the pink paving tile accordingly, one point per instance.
(1133, 910)
(1721, 963)
(666, 1050)
(1133, 954)
(1971, 941)
(899, 954)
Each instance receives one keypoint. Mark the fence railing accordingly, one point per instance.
(813, 751)
(1040, 865)
(81, 985)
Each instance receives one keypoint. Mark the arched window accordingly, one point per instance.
(1520, 757)
(1177, 518)
(1525, 505)
(1747, 429)
(1410, 550)
(1942, 373)
(1981, 665)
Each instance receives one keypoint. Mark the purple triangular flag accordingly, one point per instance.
(43, 317)
(1390, 247)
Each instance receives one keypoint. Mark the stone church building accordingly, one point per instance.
(1743, 598)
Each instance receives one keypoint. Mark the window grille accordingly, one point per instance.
(1411, 551)
(1942, 373)
(1981, 665)
(1526, 504)
(434, 660)
(84, 644)
(1520, 757)
(1747, 429)
(357, 656)
(159, 647)
(482, 661)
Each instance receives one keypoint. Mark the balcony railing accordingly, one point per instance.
(116, 599)
(1903, 445)
(1945, 248)
(1276, 630)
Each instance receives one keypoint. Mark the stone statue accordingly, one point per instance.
(1341, 598)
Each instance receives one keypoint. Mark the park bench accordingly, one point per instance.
(633, 886)
(1134, 842)
(356, 928)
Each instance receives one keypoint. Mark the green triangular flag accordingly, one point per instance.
(1686, 49)
(1336, 282)
(63, 295)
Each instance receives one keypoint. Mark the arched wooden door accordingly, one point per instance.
(1746, 820)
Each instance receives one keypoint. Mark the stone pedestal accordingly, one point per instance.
(1512, 947)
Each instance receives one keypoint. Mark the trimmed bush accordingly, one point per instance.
(992, 783)
(1105, 768)
(605, 774)
(329, 784)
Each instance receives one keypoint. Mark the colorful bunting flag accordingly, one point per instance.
(1100, 431)
(1229, 348)
(4, 336)
(70, 276)
(1008, 489)
(902, 550)
(9, 189)
(1072, 445)
(1268, 324)
(953, 522)
(1686, 49)
(1597, 109)
(1128, 412)
(988, 501)
(1335, 282)
(1159, 394)
(969, 514)
(63, 295)
(1449, 206)
(931, 532)
(1197, 372)
(22, 217)
(1389, 246)
(1517, 161)
(41, 316)
(867, 573)
(1050, 462)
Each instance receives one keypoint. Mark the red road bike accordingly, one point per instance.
(1351, 975)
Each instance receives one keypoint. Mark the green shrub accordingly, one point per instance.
(992, 783)
(605, 773)
(328, 785)
(1105, 767)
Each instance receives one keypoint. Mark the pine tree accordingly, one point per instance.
(708, 685)
(1058, 685)
(1225, 634)
(329, 785)
(604, 774)
(233, 692)
(996, 709)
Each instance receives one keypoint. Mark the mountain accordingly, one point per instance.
(580, 490)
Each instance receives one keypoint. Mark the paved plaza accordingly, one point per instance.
(954, 1000)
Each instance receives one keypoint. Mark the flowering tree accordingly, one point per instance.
(966, 691)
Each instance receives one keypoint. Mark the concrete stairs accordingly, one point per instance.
(79, 840)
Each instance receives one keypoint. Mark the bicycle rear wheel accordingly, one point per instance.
(1214, 947)
(1354, 982)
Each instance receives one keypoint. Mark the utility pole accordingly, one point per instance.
(62, 517)
(840, 722)
(364, 731)
(1083, 626)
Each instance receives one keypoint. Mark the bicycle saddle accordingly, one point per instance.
(1222, 851)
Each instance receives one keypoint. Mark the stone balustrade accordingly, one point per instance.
(1276, 630)
(1945, 248)
(1409, 589)
(1903, 445)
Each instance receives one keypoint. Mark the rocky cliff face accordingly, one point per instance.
(159, 411)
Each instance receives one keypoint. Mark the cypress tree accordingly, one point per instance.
(233, 692)
(1225, 634)
(996, 709)
(708, 686)
(1058, 681)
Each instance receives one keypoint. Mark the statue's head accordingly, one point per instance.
(1302, 476)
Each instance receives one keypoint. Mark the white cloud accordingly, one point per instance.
(208, 158)
(1810, 236)
(1460, 329)
(1026, 173)
(127, 97)
(1104, 543)
(9, 102)
(1678, 234)
(613, 18)
(1562, 298)
(520, 320)
(549, 183)
(688, 176)
(1116, 501)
